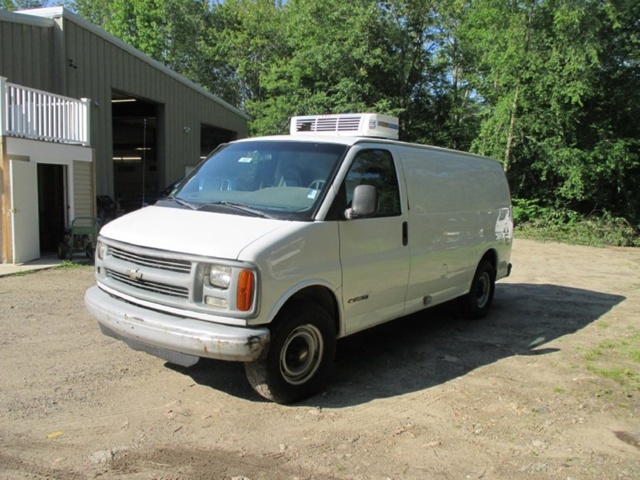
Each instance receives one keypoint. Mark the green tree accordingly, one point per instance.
(411, 76)
(247, 36)
(332, 56)
(543, 71)
(325, 63)
(548, 87)
(143, 24)
(609, 129)
(440, 106)
(182, 34)
(13, 5)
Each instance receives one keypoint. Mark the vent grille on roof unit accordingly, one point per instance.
(352, 124)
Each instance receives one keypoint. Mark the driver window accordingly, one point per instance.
(375, 167)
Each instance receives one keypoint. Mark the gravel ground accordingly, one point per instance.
(522, 394)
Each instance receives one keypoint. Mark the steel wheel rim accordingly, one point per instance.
(483, 290)
(301, 354)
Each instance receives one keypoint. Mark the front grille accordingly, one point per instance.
(154, 287)
(170, 264)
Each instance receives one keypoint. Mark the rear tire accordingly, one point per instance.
(299, 357)
(477, 303)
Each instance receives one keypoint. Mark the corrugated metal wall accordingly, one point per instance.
(68, 56)
(96, 67)
(32, 41)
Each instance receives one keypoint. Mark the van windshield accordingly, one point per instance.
(275, 179)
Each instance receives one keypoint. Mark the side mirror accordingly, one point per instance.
(364, 202)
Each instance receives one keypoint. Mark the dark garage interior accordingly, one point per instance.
(137, 170)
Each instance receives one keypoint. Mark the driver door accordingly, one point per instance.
(373, 251)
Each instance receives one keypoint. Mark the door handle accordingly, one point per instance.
(405, 234)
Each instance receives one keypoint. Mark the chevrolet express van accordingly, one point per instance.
(275, 247)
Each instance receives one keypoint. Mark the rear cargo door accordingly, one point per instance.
(373, 251)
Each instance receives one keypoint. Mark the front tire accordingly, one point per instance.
(477, 303)
(303, 345)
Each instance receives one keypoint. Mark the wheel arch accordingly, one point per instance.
(475, 304)
(319, 294)
(492, 256)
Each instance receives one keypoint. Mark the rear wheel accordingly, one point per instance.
(303, 344)
(477, 302)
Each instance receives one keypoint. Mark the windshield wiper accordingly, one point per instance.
(235, 206)
(183, 202)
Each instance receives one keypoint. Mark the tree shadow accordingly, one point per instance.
(435, 346)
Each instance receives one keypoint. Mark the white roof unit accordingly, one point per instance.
(348, 124)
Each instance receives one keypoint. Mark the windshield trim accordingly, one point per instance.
(236, 204)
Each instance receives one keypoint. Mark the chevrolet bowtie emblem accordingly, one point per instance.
(134, 274)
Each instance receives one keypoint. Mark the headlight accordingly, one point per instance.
(230, 288)
(102, 250)
(220, 276)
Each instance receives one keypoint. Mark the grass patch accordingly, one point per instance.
(69, 264)
(634, 354)
(617, 360)
(623, 376)
(546, 223)
(593, 355)
(610, 344)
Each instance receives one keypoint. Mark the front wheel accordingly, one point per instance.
(303, 344)
(477, 302)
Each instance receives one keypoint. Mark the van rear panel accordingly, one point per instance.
(459, 209)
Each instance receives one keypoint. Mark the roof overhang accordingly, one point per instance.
(25, 20)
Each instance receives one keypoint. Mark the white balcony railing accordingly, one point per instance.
(34, 114)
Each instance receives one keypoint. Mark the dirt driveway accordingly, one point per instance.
(546, 387)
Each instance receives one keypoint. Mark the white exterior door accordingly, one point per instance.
(373, 251)
(24, 211)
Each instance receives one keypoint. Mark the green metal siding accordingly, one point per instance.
(68, 56)
(21, 41)
(103, 66)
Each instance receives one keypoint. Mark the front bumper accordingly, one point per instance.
(175, 339)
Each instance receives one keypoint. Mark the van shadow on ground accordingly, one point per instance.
(436, 345)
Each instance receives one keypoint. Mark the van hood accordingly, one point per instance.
(187, 231)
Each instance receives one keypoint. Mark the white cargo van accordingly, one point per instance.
(275, 247)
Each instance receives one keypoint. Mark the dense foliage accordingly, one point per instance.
(551, 88)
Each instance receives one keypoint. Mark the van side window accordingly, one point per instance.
(375, 167)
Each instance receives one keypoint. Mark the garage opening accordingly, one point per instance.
(211, 137)
(135, 153)
(52, 207)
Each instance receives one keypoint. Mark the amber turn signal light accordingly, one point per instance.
(244, 296)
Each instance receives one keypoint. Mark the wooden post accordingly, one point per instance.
(6, 243)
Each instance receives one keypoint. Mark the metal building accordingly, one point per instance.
(146, 126)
